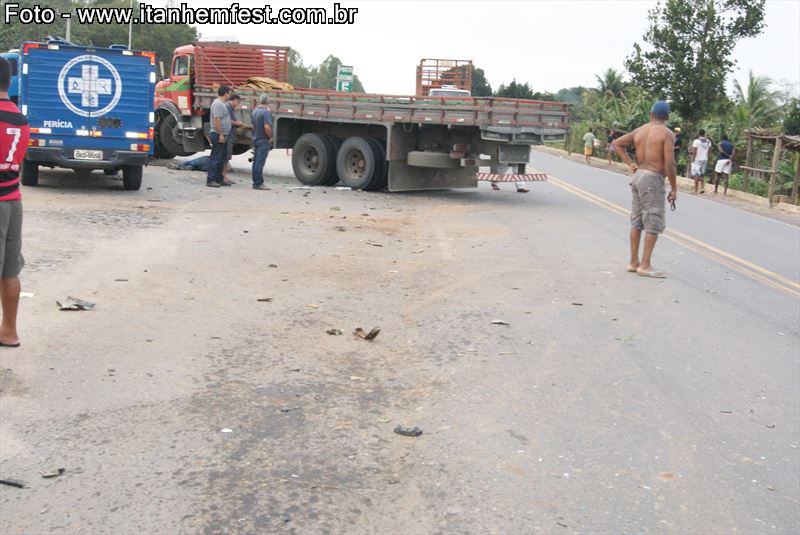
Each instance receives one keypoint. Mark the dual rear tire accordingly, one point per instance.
(323, 160)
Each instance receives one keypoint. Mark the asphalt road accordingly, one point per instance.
(610, 403)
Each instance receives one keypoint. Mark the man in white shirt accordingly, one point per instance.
(699, 155)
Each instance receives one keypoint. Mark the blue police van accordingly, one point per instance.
(88, 108)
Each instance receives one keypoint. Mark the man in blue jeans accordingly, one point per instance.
(220, 131)
(262, 139)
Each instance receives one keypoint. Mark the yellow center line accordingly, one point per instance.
(745, 267)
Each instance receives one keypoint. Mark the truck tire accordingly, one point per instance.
(30, 173)
(159, 151)
(381, 165)
(356, 163)
(434, 160)
(240, 148)
(332, 145)
(132, 177)
(166, 125)
(311, 160)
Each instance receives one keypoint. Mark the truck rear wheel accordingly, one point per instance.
(332, 145)
(30, 173)
(434, 160)
(381, 165)
(356, 163)
(132, 177)
(312, 160)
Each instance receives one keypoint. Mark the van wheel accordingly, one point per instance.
(30, 173)
(132, 177)
(356, 163)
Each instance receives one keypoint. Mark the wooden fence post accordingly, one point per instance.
(746, 178)
(773, 179)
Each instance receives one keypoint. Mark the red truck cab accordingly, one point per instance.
(200, 68)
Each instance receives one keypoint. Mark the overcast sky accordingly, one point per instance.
(549, 44)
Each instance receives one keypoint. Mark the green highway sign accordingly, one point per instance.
(344, 78)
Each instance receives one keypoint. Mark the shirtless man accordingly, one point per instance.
(654, 144)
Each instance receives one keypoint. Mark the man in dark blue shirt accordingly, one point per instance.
(262, 139)
(724, 164)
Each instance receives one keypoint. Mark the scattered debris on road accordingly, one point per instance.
(26, 294)
(312, 305)
(273, 265)
(120, 280)
(53, 472)
(367, 335)
(226, 430)
(578, 304)
(290, 409)
(372, 243)
(500, 322)
(335, 332)
(264, 299)
(73, 303)
(13, 483)
(726, 412)
(407, 432)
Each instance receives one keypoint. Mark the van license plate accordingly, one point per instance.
(88, 155)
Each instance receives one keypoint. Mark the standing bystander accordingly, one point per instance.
(654, 150)
(609, 145)
(588, 146)
(699, 158)
(220, 131)
(678, 144)
(262, 139)
(724, 164)
(14, 134)
(233, 104)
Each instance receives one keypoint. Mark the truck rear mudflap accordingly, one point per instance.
(84, 159)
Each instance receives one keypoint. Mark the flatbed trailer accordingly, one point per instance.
(402, 143)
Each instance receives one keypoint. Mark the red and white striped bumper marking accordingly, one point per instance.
(529, 177)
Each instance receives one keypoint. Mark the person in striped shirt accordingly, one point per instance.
(14, 135)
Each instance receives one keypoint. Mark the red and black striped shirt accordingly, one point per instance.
(14, 135)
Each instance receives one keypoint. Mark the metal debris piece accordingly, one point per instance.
(312, 305)
(26, 294)
(418, 251)
(13, 483)
(372, 243)
(290, 409)
(53, 472)
(273, 265)
(226, 430)
(264, 299)
(120, 280)
(500, 322)
(578, 304)
(340, 228)
(334, 332)
(367, 335)
(407, 432)
(73, 303)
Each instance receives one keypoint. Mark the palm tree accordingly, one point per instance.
(611, 83)
(756, 104)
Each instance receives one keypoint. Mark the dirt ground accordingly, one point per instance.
(203, 394)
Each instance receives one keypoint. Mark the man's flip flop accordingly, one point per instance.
(495, 187)
(9, 345)
(651, 274)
